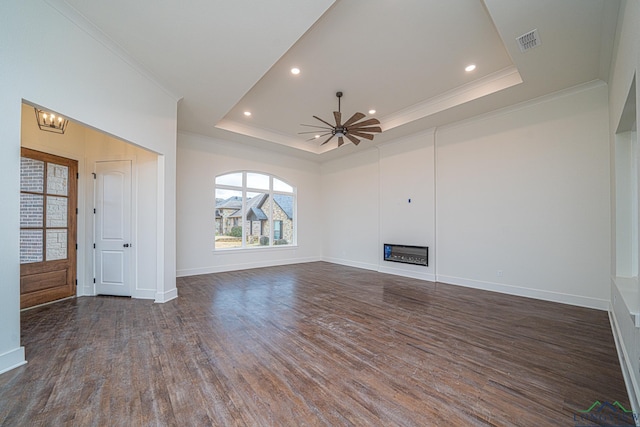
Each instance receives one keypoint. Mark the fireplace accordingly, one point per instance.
(417, 255)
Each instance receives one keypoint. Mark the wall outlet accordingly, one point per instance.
(499, 273)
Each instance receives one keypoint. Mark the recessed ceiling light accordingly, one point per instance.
(317, 136)
(469, 68)
(372, 111)
(247, 113)
(295, 71)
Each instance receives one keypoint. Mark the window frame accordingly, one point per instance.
(244, 190)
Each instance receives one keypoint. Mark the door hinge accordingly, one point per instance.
(76, 283)
(94, 210)
(94, 175)
(76, 211)
(77, 175)
(94, 280)
(94, 246)
(76, 246)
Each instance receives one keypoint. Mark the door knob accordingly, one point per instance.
(126, 245)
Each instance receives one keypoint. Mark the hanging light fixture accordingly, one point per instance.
(50, 122)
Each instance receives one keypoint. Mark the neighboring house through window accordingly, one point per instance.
(253, 210)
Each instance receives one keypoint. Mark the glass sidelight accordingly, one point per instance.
(44, 211)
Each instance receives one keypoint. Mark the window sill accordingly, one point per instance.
(256, 249)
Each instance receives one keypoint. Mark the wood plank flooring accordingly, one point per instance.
(311, 344)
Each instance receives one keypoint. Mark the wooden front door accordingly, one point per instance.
(48, 200)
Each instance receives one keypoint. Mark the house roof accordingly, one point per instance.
(285, 203)
(254, 211)
(254, 207)
(234, 202)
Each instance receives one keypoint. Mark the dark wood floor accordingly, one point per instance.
(311, 344)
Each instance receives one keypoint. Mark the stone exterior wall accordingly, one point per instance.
(225, 224)
(287, 224)
(278, 215)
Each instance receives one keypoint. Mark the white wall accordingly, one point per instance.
(625, 292)
(87, 81)
(200, 159)
(366, 204)
(351, 210)
(407, 173)
(525, 191)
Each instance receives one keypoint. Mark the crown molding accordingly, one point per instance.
(487, 85)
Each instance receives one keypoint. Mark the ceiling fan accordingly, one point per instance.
(349, 129)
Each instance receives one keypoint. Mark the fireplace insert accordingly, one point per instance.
(418, 255)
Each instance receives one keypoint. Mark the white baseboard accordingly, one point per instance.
(162, 297)
(242, 266)
(623, 356)
(577, 300)
(12, 359)
(349, 263)
(144, 294)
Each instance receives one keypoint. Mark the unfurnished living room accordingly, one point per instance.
(328, 212)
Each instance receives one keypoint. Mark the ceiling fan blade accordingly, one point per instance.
(340, 141)
(353, 139)
(326, 123)
(353, 119)
(338, 116)
(362, 135)
(316, 132)
(316, 126)
(375, 129)
(368, 122)
(314, 138)
(327, 140)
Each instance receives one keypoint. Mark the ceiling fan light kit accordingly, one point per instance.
(351, 129)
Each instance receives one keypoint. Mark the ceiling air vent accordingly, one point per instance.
(529, 40)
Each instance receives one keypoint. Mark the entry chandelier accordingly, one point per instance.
(50, 122)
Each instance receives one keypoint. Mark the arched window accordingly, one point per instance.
(254, 210)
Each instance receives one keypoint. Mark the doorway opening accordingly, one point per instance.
(90, 148)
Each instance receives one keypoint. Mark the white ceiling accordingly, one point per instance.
(404, 58)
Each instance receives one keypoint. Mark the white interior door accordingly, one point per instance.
(113, 248)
